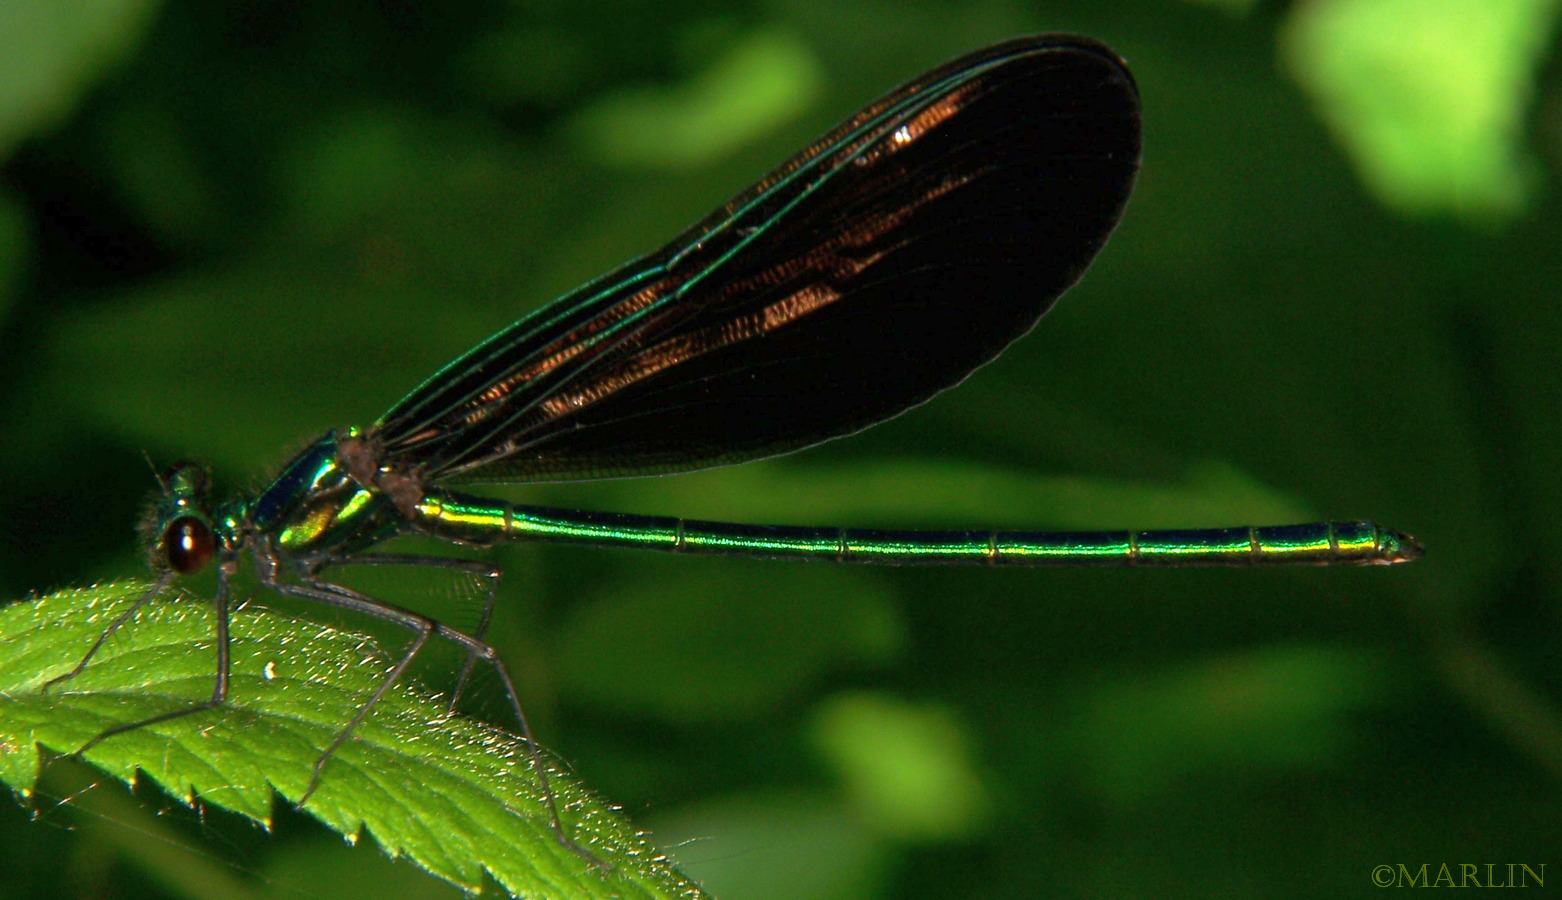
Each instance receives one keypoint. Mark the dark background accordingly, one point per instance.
(226, 227)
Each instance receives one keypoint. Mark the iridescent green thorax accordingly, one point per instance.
(316, 506)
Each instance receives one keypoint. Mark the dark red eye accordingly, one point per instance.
(189, 545)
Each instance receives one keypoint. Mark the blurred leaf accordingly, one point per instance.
(906, 766)
(1428, 96)
(339, 872)
(721, 643)
(1276, 710)
(111, 816)
(456, 797)
(762, 82)
(1233, 7)
(362, 161)
(14, 244)
(51, 51)
(777, 846)
(158, 169)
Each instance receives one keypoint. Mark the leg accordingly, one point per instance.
(426, 628)
(220, 682)
(487, 571)
(266, 566)
(343, 597)
(121, 619)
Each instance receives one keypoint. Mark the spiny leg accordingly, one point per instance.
(536, 758)
(489, 572)
(267, 565)
(422, 628)
(162, 583)
(220, 682)
(343, 597)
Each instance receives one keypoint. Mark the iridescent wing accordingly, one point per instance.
(877, 267)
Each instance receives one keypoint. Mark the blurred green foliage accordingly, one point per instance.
(227, 227)
(1434, 115)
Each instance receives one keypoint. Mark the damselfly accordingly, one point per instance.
(877, 267)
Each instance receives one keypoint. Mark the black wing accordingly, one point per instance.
(877, 267)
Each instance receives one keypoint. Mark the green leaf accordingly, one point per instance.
(762, 81)
(1278, 710)
(1430, 98)
(784, 845)
(52, 51)
(457, 797)
(907, 766)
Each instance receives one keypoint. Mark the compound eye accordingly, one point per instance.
(189, 544)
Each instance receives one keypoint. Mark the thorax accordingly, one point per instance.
(316, 507)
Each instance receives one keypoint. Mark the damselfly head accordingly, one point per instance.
(179, 524)
(186, 482)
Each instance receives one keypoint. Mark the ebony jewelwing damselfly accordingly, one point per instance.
(877, 267)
